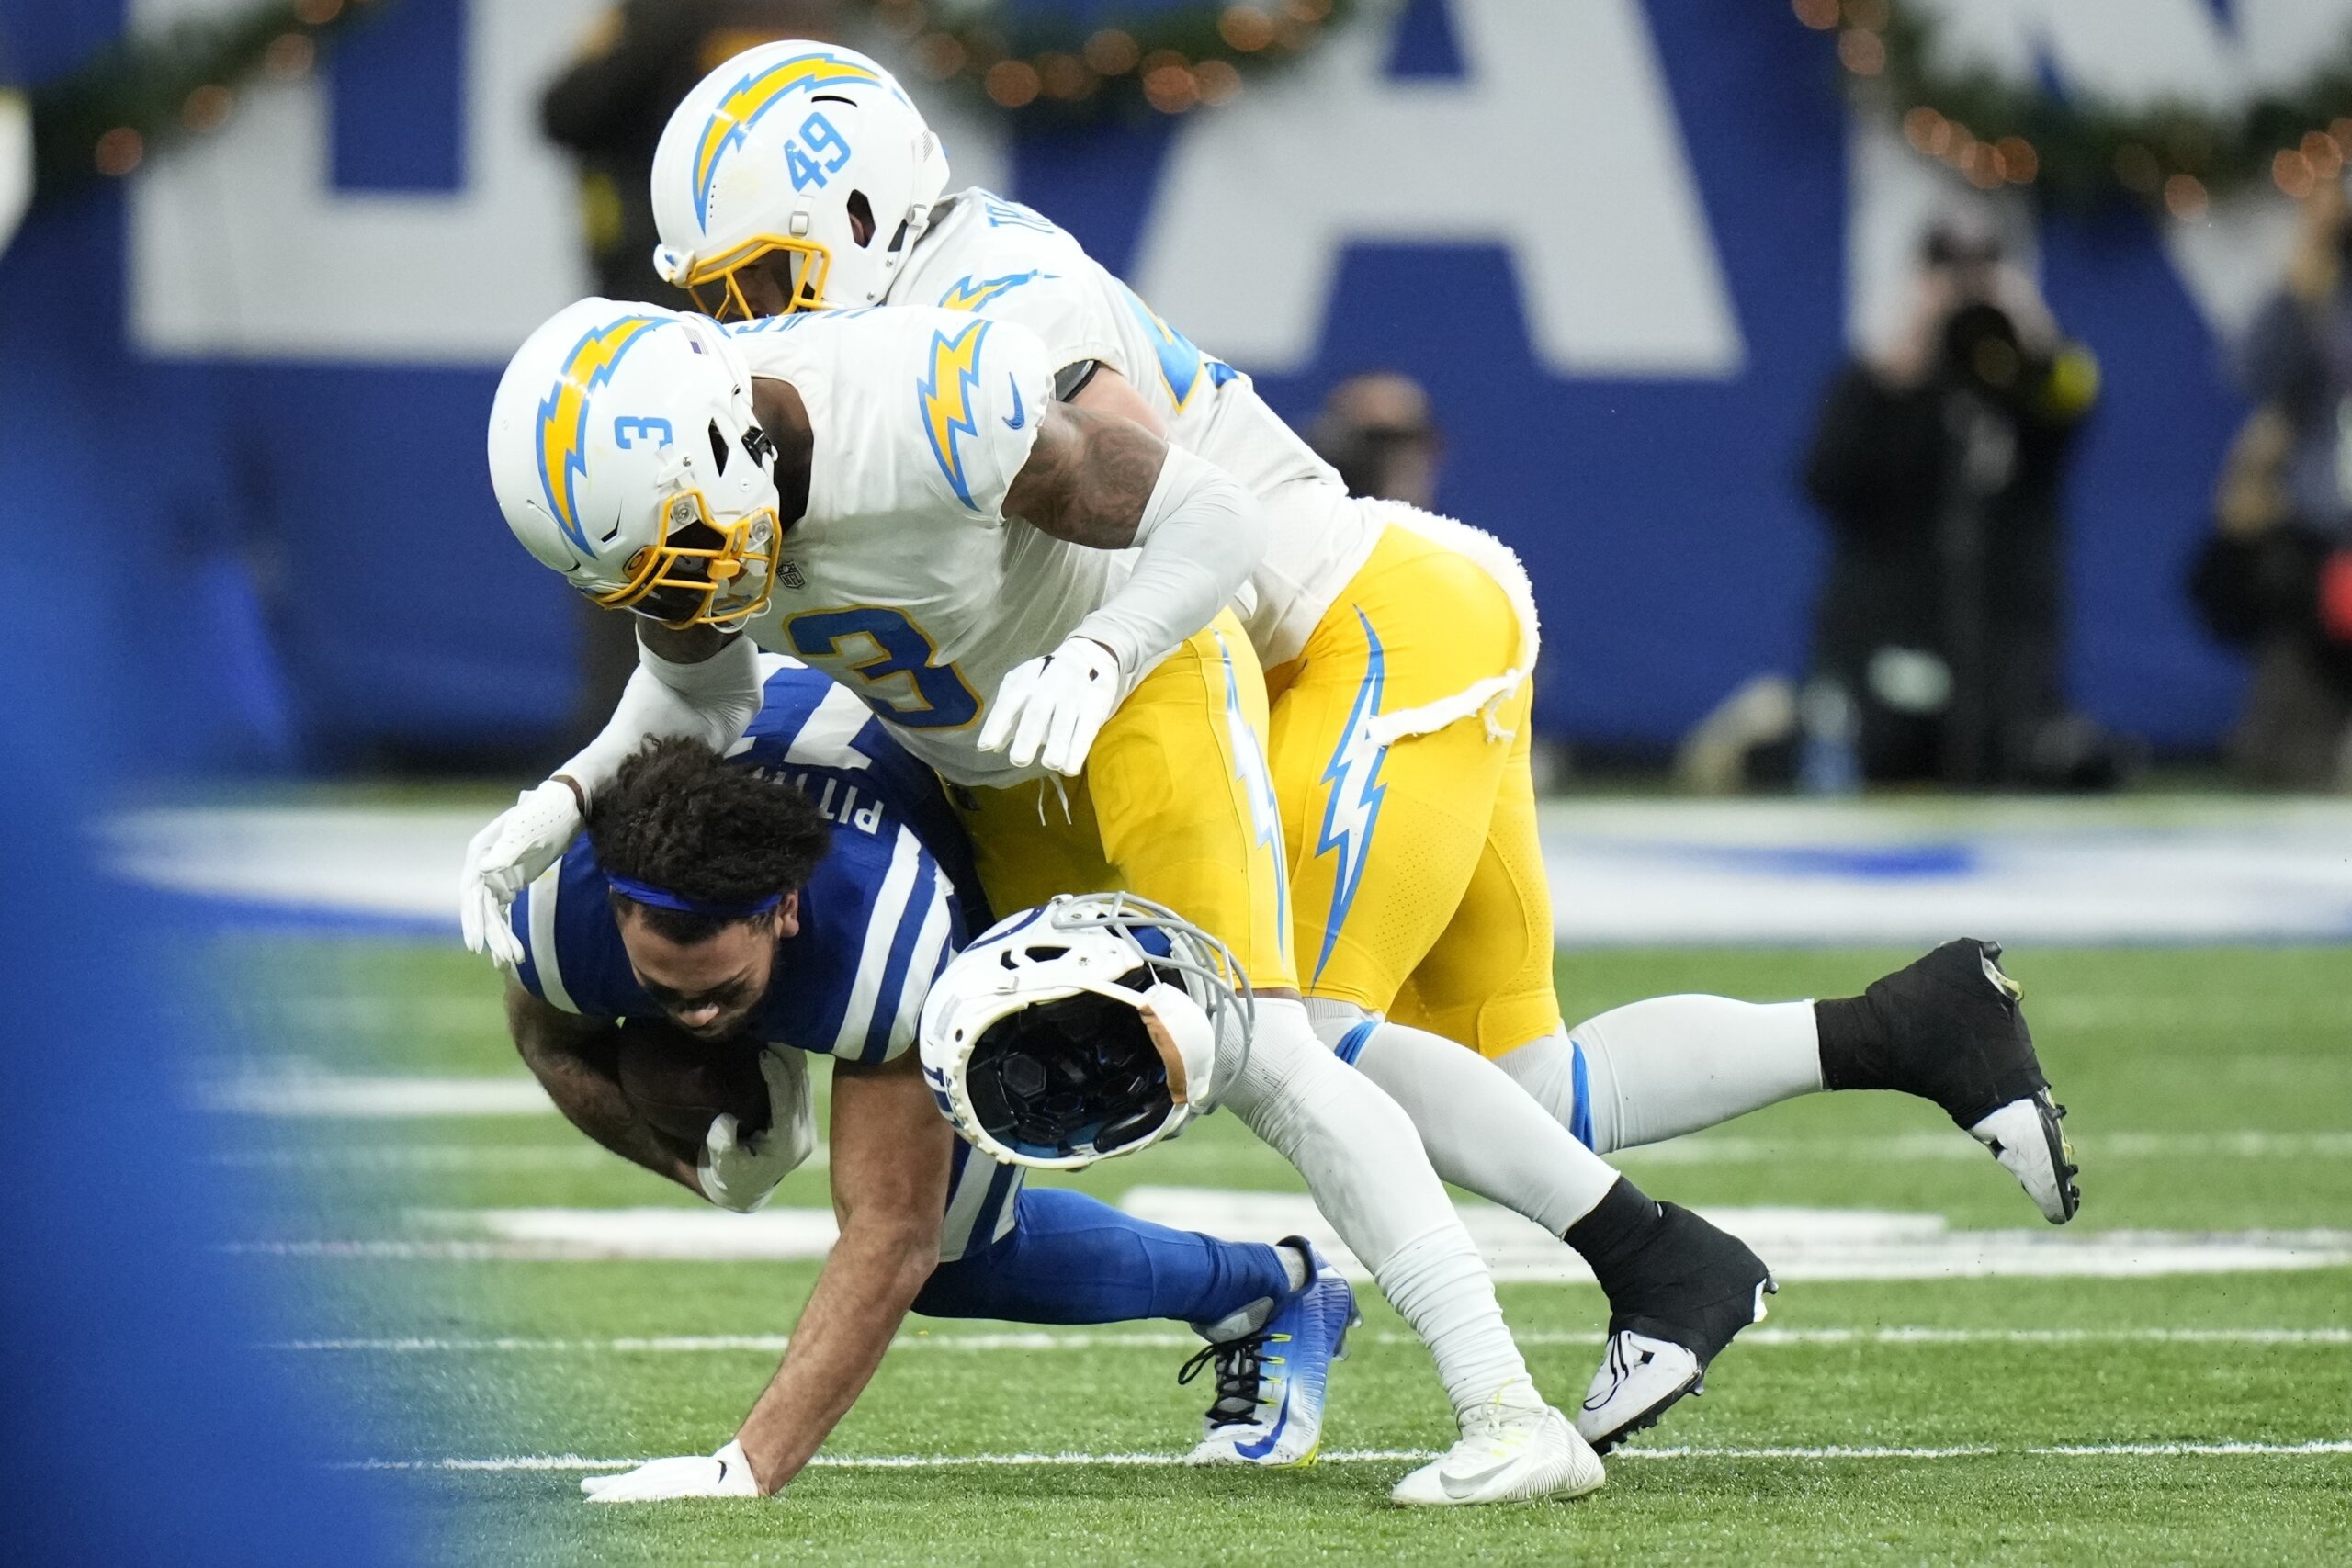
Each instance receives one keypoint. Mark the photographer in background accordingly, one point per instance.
(2276, 578)
(1940, 465)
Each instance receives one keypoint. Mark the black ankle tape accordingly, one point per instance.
(1618, 1224)
(1850, 1055)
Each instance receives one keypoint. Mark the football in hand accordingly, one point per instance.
(679, 1084)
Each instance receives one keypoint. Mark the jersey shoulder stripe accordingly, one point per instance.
(917, 954)
(884, 923)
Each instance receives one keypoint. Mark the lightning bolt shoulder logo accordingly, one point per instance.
(563, 418)
(943, 399)
(1352, 808)
(1257, 785)
(969, 293)
(751, 97)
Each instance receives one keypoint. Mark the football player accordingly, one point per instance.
(1397, 646)
(805, 893)
(1023, 591)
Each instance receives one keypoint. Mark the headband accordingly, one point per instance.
(663, 898)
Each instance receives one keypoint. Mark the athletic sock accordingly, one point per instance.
(1852, 1044)
(1371, 1178)
(1440, 1285)
(1481, 1129)
(1618, 1228)
(1656, 1069)
(1073, 1258)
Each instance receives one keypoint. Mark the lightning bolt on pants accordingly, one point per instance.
(1416, 884)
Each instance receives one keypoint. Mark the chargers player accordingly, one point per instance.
(805, 893)
(895, 498)
(1397, 646)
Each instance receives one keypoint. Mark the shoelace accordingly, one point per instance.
(1238, 1364)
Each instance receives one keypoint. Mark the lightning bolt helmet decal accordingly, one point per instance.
(748, 99)
(563, 430)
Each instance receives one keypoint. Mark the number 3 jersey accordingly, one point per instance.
(1000, 260)
(889, 904)
(903, 578)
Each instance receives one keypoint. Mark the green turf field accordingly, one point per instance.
(2211, 1092)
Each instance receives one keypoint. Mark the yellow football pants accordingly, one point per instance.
(1176, 804)
(1416, 878)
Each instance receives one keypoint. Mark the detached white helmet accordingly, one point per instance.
(802, 167)
(1088, 1028)
(625, 455)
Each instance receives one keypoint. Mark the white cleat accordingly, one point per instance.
(1516, 1449)
(1639, 1377)
(2026, 1137)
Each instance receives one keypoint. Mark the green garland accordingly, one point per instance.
(1168, 59)
(139, 93)
(2082, 150)
(145, 92)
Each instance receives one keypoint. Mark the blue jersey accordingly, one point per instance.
(884, 912)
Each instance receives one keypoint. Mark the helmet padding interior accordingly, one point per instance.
(1069, 1076)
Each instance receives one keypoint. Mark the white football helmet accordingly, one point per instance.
(802, 162)
(625, 454)
(1096, 1025)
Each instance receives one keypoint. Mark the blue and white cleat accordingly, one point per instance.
(1271, 1385)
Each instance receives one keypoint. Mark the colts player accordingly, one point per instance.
(895, 497)
(1397, 646)
(791, 895)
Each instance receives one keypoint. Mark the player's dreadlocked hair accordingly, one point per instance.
(679, 818)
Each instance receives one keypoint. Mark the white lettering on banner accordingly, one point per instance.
(242, 247)
(1560, 145)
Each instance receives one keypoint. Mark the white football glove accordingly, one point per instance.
(740, 1171)
(506, 857)
(1052, 708)
(726, 1473)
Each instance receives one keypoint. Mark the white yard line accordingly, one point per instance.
(402, 1096)
(1955, 1148)
(575, 1462)
(1153, 1339)
(306, 1093)
(1804, 1244)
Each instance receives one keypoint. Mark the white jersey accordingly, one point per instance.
(903, 580)
(1001, 260)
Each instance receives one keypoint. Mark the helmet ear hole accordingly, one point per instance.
(717, 447)
(861, 219)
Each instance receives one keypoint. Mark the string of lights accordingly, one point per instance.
(145, 92)
(2081, 149)
(1170, 59)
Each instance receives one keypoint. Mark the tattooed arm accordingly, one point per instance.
(1105, 482)
(1089, 477)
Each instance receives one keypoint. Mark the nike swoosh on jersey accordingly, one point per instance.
(1020, 415)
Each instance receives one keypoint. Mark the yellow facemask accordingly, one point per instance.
(703, 572)
(716, 286)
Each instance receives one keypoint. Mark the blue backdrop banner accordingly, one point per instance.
(1624, 244)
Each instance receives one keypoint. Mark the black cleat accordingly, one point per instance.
(1672, 1308)
(1948, 1028)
